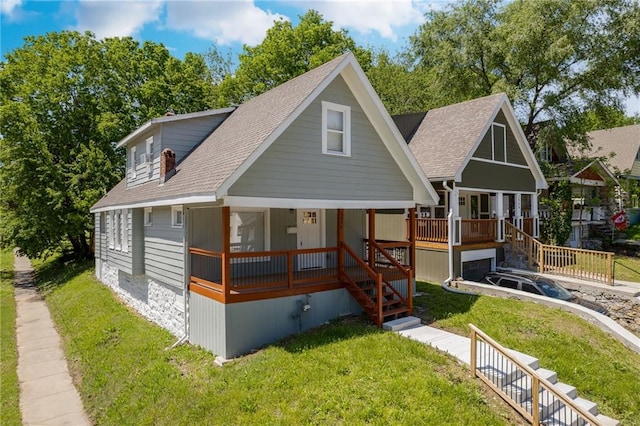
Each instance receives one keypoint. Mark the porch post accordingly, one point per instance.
(517, 216)
(534, 215)
(340, 242)
(372, 238)
(500, 216)
(226, 250)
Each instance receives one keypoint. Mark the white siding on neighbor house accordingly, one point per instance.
(294, 166)
(184, 135)
(164, 249)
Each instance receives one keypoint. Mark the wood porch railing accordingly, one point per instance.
(572, 262)
(473, 230)
(492, 363)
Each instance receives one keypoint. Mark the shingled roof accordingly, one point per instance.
(623, 141)
(207, 172)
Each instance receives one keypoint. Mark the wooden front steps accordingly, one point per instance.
(365, 293)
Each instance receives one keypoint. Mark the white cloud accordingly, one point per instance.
(10, 7)
(382, 16)
(117, 18)
(632, 105)
(224, 21)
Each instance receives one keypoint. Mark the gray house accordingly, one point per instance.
(478, 160)
(237, 227)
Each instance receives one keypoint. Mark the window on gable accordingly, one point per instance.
(544, 153)
(149, 153)
(134, 162)
(177, 216)
(336, 129)
(499, 142)
(148, 216)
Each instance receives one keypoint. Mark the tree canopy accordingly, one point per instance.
(555, 59)
(65, 99)
(286, 52)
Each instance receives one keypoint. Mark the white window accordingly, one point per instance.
(148, 216)
(544, 154)
(249, 230)
(134, 163)
(177, 217)
(336, 129)
(110, 228)
(117, 234)
(499, 142)
(149, 153)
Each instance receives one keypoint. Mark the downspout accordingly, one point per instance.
(446, 284)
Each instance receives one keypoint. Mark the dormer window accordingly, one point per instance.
(149, 153)
(499, 142)
(134, 163)
(336, 129)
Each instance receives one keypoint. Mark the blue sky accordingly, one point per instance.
(194, 25)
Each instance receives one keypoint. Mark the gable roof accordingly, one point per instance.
(213, 166)
(595, 173)
(447, 137)
(623, 141)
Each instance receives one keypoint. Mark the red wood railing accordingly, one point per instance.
(473, 230)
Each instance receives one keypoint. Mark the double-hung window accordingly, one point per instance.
(249, 230)
(149, 153)
(336, 129)
(134, 163)
(177, 216)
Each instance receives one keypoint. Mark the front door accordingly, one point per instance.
(479, 206)
(309, 236)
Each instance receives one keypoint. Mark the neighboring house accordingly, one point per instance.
(621, 147)
(478, 159)
(238, 227)
(594, 189)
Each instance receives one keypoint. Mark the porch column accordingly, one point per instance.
(372, 238)
(517, 216)
(412, 238)
(340, 226)
(226, 250)
(456, 220)
(534, 215)
(500, 216)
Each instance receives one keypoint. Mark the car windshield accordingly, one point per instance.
(554, 290)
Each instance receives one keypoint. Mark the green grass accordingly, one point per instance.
(9, 390)
(348, 372)
(627, 268)
(600, 367)
(633, 232)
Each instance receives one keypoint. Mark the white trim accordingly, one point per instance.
(503, 191)
(195, 199)
(154, 122)
(346, 129)
(174, 216)
(471, 255)
(485, 160)
(295, 203)
(148, 214)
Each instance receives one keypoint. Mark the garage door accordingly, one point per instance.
(474, 270)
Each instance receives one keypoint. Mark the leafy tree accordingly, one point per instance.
(556, 228)
(286, 52)
(65, 99)
(555, 59)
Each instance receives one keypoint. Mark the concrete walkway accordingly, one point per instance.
(47, 394)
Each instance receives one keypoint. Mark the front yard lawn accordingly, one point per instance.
(627, 268)
(9, 391)
(600, 367)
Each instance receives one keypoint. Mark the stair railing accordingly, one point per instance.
(489, 357)
(406, 273)
(523, 242)
(374, 311)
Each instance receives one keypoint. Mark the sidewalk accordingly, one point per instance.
(47, 394)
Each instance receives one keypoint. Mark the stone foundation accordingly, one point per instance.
(158, 302)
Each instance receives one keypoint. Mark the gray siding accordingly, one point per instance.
(254, 324)
(182, 136)
(137, 241)
(144, 172)
(635, 169)
(498, 177)
(514, 153)
(118, 258)
(280, 219)
(205, 228)
(432, 265)
(100, 239)
(294, 166)
(164, 249)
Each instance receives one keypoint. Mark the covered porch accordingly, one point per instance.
(244, 255)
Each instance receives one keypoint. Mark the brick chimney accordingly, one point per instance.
(167, 164)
